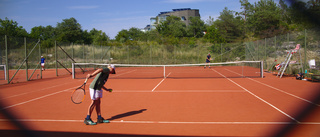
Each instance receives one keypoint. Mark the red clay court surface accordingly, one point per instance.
(198, 106)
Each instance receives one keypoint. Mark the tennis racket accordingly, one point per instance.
(79, 94)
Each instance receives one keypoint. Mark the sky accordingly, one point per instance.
(110, 16)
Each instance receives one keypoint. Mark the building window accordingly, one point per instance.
(183, 18)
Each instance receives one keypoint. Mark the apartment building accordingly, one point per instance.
(183, 13)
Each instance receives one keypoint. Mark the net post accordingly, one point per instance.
(243, 70)
(164, 71)
(55, 56)
(261, 69)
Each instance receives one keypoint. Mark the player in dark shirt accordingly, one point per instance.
(208, 60)
(95, 88)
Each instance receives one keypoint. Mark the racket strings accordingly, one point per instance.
(78, 95)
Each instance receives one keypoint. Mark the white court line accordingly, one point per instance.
(178, 91)
(258, 97)
(160, 82)
(201, 91)
(169, 122)
(285, 92)
(37, 98)
(277, 89)
(33, 91)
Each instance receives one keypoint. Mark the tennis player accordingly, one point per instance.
(95, 88)
(42, 62)
(208, 60)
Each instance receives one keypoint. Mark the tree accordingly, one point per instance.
(213, 35)
(210, 21)
(136, 34)
(229, 26)
(45, 34)
(285, 18)
(266, 19)
(305, 15)
(98, 37)
(196, 27)
(133, 34)
(247, 11)
(314, 11)
(69, 30)
(11, 28)
(122, 36)
(172, 26)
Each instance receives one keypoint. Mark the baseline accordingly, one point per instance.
(170, 122)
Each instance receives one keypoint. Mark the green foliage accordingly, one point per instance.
(69, 31)
(11, 28)
(213, 35)
(305, 15)
(45, 34)
(196, 27)
(266, 19)
(261, 19)
(97, 37)
(131, 34)
(172, 26)
(228, 26)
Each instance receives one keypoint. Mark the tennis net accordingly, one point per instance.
(237, 69)
(3, 73)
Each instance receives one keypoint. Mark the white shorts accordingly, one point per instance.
(95, 94)
(42, 64)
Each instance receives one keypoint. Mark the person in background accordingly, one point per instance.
(42, 63)
(208, 60)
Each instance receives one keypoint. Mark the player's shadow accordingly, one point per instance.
(127, 114)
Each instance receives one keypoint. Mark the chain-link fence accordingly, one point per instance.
(176, 54)
(68, 53)
(274, 50)
(23, 55)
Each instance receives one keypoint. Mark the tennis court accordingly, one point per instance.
(216, 101)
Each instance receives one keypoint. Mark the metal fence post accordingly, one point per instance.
(72, 50)
(93, 53)
(26, 56)
(221, 52)
(305, 49)
(7, 60)
(56, 58)
(40, 68)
